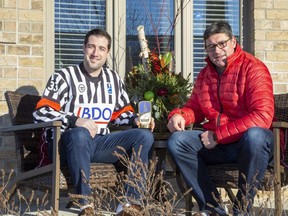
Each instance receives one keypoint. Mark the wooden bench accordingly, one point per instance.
(226, 175)
(28, 137)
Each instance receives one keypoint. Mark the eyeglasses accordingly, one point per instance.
(220, 45)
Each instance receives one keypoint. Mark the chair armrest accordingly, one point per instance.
(280, 124)
(30, 126)
(55, 166)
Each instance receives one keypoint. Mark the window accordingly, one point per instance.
(72, 20)
(206, 12)
(157, 19)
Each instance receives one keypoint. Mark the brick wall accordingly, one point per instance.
(22, 62)
(271, 39)
(21, 59)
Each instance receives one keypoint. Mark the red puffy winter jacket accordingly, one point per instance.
(240, 98)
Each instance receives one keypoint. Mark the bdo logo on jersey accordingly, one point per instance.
(100, 113)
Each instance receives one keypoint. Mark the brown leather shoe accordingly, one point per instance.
(131, 210)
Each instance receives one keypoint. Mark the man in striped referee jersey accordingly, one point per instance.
(86, 97)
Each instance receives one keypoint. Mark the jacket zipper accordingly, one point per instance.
(221, 107)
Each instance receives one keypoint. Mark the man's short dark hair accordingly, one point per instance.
(216, 28)
(98, 32)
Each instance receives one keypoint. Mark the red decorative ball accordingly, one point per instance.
(162, 92)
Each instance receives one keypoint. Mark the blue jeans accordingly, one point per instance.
(252, 152)
(78, 149)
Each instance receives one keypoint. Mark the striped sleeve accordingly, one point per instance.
(49, 106)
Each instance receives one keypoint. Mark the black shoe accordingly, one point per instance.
(72, 203)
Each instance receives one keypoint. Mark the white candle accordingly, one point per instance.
(143, 42)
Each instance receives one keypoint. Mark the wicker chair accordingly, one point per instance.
(226, 175)
(28, 135)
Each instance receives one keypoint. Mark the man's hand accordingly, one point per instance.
(89, 124)
(208, 139)
(151, 126)
(176, 123)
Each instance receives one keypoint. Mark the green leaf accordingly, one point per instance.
(166, 59)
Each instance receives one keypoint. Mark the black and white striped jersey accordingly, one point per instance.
(73, 92)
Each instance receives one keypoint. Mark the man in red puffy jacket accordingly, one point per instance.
(233, 99)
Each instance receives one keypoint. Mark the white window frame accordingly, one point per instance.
(183, 39)
(116, 26)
